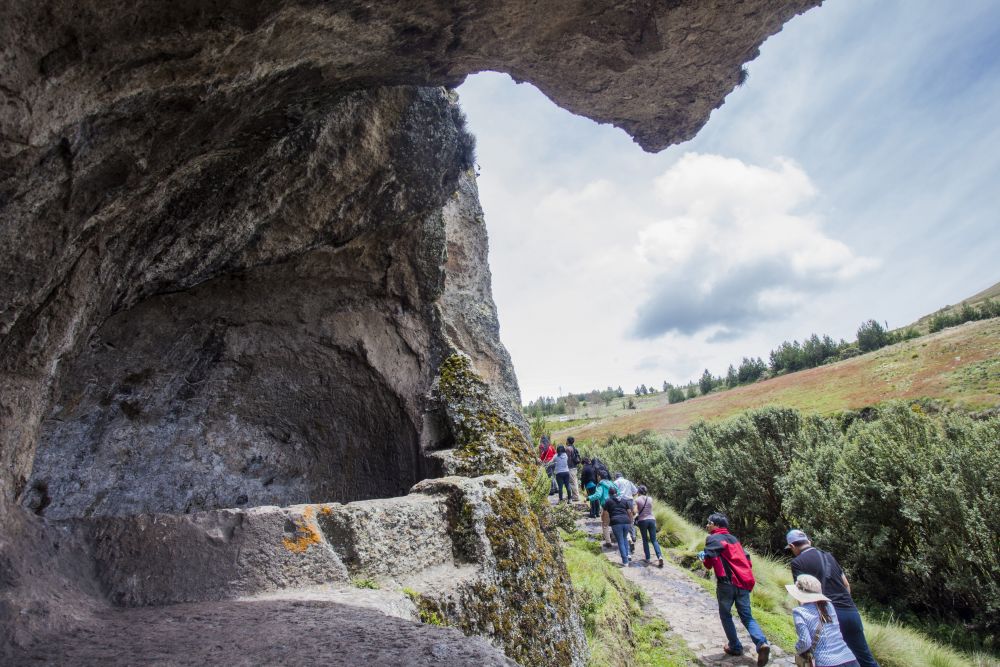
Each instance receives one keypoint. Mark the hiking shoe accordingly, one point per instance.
(763, 654)
(731, 651)
(660, 564)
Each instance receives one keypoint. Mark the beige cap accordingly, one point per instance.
(807, 589)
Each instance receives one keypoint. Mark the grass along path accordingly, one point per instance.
(690, 611)
(690, 632)
(892, 644)
(622, 629)
(960, 366)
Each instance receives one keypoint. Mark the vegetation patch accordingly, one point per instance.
(486, 441)
(428, 610)
(874, 429)
(363, 582)
(937, 372)
(618, 633)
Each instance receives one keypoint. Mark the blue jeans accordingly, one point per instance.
(854, 636)
(621, 531)
(728, 595)
(647, 528)
(562, 480)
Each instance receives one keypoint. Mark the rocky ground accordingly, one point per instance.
(258, 632)
(691, 611)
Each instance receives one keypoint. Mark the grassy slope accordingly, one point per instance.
(960, 366)
(922, 325)
(618, 634)
(892, 644)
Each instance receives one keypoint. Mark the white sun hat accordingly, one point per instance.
(807, 589)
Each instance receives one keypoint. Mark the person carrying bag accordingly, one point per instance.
(820, 643)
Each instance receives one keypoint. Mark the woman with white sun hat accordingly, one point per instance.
(819, 640)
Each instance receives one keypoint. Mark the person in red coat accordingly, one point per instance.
(725, 556)
(546, 452)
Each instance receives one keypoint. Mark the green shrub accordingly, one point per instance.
(564, 516)
(892, 644)
(676, 395)
(849, 352)
(736, 464)
(906, 503)
(903, 494)
(872, 336)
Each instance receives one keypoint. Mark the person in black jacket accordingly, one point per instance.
(822, 565)
(588, 480)
(620, 513)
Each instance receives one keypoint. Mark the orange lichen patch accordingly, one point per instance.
(307, 532)
(325, 509)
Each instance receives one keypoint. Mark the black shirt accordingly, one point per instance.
(617, 509)
(588, 474)
(824, 567)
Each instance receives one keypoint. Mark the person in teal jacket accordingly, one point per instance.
(601, 495)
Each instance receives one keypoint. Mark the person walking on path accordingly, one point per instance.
(824, 567)
(816, 625)
(588, 478)
(574, 462)
(647, 524)
(562, 472)
(545, 450)
(620, 516)
(601, 468)
(601, 495)
(627, 491)
(734, 580)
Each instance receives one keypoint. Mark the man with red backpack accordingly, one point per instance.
(734, 580)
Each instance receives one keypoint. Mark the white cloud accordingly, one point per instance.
(888, 110)
(738, 246)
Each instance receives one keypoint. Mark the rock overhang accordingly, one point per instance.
(655, 69)
(152, 148)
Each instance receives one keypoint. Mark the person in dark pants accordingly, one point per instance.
(620, 515)
(734, 580)
(647, 523)
(588, 479)
(822, 565)
(562, 473)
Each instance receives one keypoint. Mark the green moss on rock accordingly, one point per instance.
(486, 442)
(527, 606)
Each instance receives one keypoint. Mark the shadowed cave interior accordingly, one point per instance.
(290, 383)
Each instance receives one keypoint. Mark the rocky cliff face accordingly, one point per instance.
(242, 263)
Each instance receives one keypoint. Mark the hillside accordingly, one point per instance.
(960, 366)
(992, 292)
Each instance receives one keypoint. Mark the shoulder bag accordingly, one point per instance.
(636, 520)
(806, 659)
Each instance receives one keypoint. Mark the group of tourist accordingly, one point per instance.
(622, 505)
(827, 623)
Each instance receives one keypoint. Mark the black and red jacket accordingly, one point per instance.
(726, 556)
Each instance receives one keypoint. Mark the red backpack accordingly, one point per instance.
(735, 561)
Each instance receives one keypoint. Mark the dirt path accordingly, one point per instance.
(691, 611)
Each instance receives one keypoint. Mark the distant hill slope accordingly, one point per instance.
(922, 325)
(960, 366)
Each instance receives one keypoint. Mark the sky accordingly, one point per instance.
(855, 175)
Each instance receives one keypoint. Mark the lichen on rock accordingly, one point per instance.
(486, 441)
